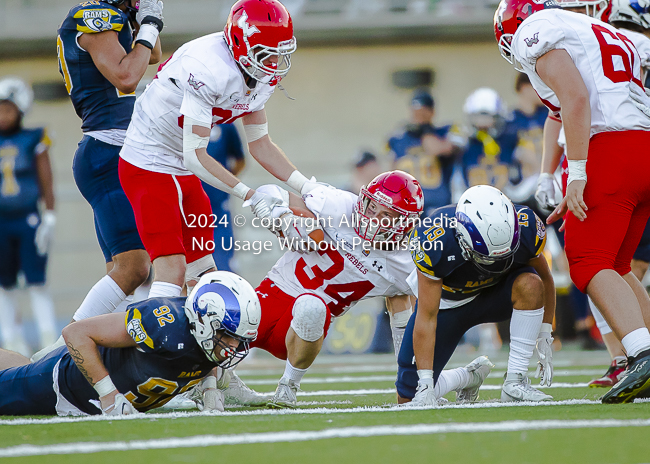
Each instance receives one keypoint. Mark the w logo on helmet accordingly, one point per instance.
(534, 40)
(245, 27)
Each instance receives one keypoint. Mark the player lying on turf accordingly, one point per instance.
(302, 292)
(115, 365)
(481, 262)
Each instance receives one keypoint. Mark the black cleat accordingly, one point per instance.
(634, 383)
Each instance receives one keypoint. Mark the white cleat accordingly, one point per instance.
(517, 387)
(479, 370)
(237, 393)
(285, 395)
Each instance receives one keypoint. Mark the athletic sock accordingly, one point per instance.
(636, 341)
(43, 309)
(524, 329)
(293, 373)
(10, 328)
(164, 289)
(398, 324)
(601, 323)
(103, 298)
(450, 380)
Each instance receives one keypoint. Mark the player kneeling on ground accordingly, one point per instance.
(478, 262)
(363, 254)
(116, 365)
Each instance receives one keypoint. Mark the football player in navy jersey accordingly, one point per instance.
(427, 152)
(25, 233)
(116, 365)
(488, 158)
(104, 48)
(480, 261)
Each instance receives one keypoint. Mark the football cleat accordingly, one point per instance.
(517, 387)
(479, 370)
(285, 395)
(611, 377)
(238, 393)
(634, 382)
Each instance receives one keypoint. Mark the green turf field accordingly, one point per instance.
(347, 414)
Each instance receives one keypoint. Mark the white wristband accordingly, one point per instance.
(147, 35)
(256, 131)
(546, 328)
(424, 374)
(296, 181)
(240, 190)
(577, 170)
(104, 386)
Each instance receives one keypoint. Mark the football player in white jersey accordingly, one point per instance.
(585, 70)
(212, 80)
(631, 17)
(363, 254)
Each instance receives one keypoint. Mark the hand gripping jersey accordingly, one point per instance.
(19, 189)
(461, 279)
(201, 81)
(167, 361)
(343, 273)
(605, 57)
(97, 102)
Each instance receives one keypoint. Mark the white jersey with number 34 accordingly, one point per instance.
(605, 57)
(345, 275)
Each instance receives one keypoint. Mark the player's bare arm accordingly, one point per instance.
(541, 267)
(551, 150)
(267, 153)
(83, 338)
(557, 70)
(45, 179)
(426, 319)
(123, 70)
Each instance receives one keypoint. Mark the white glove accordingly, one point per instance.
(45, 232)
(211, 398)
(150, 12)
(544, 350)
(640, 98)
(121, 407)
(266, 198)
(424, 395)
(545, 194)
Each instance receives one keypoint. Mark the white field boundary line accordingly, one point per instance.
(288, 412)
(391, 378)
(203, 441)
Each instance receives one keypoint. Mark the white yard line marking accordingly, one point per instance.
(275, 412)
(295, 436)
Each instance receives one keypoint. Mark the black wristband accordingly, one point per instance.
(153, 21)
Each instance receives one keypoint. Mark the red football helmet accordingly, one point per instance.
(509, 15)
(257, 31)
(594, 8)
(397, 191)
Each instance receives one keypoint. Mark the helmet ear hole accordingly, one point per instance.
(236, 40)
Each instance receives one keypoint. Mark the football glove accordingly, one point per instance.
(424, 395)
(150, 12)
(45, 232)
(121, 407)
(544, 350)
(640, 98)
(545, 194)
(265, 199)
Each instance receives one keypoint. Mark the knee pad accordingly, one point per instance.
(309, 316)
(195, 269)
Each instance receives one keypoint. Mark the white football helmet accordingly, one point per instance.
(487, 228)
(223, 303)
(16, 91)
(484, 108)
(595, 8)
(631, 11)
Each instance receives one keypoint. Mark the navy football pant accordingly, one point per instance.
(18, 251)
(29, 389)
(493, 304)
(95, 173)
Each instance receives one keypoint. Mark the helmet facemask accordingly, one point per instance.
(221, 353)
(254, 63)
(486, 264)
(386, 229)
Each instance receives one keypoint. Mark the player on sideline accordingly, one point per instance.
(357, 259)
(215, 79)
(568, 57)
(112, 365)
(102, 60)
(25, 234)
(489, 268)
